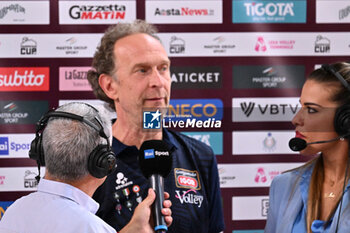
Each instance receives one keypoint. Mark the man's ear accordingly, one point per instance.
(108, 85)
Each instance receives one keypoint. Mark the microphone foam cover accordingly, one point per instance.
(155, 158)
(297, 144)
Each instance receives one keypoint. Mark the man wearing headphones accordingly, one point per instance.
(78, 158)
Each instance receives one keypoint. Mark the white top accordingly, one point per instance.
(56, 208)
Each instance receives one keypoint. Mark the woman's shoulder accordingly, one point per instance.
(291, 176)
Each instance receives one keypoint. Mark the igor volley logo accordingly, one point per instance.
(186, 113)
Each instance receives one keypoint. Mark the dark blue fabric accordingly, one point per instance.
(196, 206)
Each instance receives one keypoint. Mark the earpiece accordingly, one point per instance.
(101, 161)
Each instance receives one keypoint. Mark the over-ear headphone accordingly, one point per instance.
(101, 161)
(342, 114)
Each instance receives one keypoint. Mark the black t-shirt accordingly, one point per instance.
(193, 185)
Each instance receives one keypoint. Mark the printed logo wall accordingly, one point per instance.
(201, 77)
(101, 12)
(264, 109)
(250, 208)
(24, 12)
(180, 12)
(268, 76)
(251, 175)
(212, 139)
(22, 111)
(250, 56)
(19, 178)
(261, 142)
(329, 11)
(74, 79)
(24, 79)
(273, 11)
(15, 145)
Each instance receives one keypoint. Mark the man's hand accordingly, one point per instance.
(140, 221)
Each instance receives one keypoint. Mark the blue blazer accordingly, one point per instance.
(286, 203)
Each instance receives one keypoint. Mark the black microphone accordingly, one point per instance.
(298, 144)
(155, 163)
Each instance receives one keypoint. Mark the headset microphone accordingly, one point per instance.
(298, 144)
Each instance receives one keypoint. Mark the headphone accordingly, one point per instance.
(101, 161)
(342, 114)
(341, 125)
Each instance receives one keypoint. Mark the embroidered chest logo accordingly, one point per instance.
(189, 197)
(122, 181)
(187, 179)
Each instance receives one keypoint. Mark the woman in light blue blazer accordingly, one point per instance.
(315, 198)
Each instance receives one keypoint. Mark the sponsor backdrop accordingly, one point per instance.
(237, 71)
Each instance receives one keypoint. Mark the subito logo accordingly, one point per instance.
(24, 78)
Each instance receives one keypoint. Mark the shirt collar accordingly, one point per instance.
(70, 192)
(119, 147)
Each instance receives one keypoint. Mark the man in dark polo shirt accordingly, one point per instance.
(131, 73)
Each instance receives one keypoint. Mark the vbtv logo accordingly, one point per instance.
(24, 78)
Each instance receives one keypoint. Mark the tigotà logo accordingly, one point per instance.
(184, 11)
(28, 46)
(189, 197)
(177, 45)
(270, 9)
(91, 12)
(13, 7)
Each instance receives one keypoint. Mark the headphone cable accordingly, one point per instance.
(341, 200)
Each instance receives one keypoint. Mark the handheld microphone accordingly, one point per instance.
(155, 163)
(298, 144)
